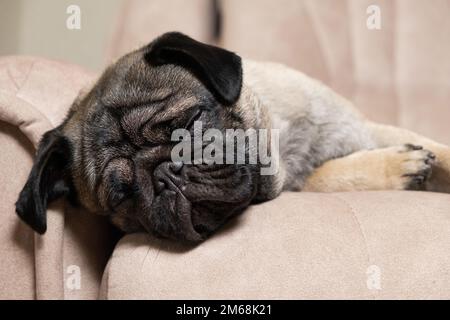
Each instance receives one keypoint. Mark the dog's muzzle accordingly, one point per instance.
(189, 202)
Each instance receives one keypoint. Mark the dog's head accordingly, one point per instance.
(112, 154)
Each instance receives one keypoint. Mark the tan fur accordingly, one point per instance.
(385, 168)
(378, 169)
(440, 178)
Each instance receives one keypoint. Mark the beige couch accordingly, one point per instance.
(368, 245)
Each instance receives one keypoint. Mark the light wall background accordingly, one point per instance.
(38, 27)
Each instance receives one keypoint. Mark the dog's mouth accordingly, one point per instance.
(192, 201)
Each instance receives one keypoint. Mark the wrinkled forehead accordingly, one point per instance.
(133, 81)
(135, 95)
(130, 109)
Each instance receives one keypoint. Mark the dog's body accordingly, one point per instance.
(113, 150)
(317, 125)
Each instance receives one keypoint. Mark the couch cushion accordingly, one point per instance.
(368, 245)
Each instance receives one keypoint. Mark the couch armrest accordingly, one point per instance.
(367, 245)
(35, 95)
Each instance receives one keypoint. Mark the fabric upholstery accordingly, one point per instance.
(16, 240)
(300, 245)
(35, 95)
(140, 21)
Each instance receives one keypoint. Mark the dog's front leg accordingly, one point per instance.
(404, 167)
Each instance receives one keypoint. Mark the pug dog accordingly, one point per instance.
(112, 153)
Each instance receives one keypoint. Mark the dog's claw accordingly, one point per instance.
(416, 165)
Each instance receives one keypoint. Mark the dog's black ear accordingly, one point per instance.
(218, 69)
(47, 181)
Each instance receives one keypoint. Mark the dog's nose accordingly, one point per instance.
(168, 176)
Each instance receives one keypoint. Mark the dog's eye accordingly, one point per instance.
(157, 133)
(194, 117)
(116, 199)
(162, 126)
(118, 195)
(117, 183)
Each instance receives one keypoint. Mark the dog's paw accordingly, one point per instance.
(409, 167)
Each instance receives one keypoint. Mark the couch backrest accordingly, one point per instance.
(398, 74)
